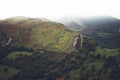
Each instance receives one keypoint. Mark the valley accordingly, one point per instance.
(40, 49)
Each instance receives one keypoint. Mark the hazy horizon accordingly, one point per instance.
(56, 9)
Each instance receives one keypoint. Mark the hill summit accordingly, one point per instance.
(36, 34)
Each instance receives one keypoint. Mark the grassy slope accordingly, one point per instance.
(38, 34)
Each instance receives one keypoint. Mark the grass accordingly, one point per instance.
(64, 41)
(16, 54)
(97, 65)
(106, 52)
(37, 34)
(7, 72)
(103, 34)
(51, 37)
(75, 74)
(14, 20)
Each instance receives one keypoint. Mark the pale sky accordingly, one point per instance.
(55, 9)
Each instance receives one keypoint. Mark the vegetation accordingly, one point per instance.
(38, 34)
(97, 65)
(16, 54)
(43, 50)
(7, 72)
(106, 52)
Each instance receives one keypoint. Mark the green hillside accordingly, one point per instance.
(38, 49)
(37, 34)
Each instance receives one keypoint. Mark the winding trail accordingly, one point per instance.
(81, 39)
(9, 41)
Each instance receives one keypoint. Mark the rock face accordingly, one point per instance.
(84, 44)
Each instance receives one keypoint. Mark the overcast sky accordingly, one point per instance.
(54, 9)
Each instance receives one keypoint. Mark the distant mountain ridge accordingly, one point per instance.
(104, 29)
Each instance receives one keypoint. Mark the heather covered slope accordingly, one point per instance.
(37, 34)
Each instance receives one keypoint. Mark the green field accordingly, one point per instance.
(15, 54)
(106, 52)
(7, 72)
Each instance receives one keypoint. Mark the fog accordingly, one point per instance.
(55, 9)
